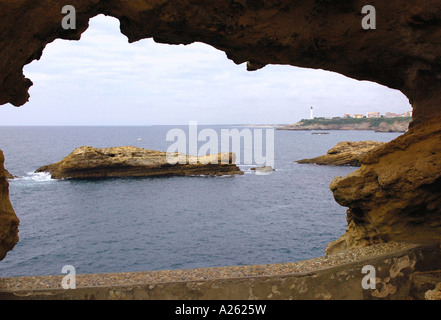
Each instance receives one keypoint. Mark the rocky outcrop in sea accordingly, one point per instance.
(89, 162)
(344, 153)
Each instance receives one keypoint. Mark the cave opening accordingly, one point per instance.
(104, 92)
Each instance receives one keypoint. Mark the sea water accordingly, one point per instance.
(141, 224)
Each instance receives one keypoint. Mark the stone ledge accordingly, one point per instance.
(336, 276)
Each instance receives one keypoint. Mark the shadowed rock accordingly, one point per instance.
(8, 220)
(89, 162)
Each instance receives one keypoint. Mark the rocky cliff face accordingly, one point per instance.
(403, 53)
(394, 127)
(8, 220)
(396, 194)
(89, 162)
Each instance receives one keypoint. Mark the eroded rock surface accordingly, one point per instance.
(8, 220)
(89, 162)
(346, 153)
(394, 127)
(396, 194)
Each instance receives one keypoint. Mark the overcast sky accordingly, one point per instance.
(104, 80)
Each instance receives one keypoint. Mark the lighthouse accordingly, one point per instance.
(311, 116)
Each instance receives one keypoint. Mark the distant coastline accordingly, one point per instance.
(260, 125)
(398, 124)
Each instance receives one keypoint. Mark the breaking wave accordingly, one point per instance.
(37, 177)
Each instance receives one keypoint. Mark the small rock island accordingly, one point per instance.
(344, 153)
(89, 162)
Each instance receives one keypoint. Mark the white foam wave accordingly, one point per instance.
(260, 173)
(37, 177)
(246, 168)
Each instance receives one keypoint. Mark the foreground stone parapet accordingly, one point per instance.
(89, 162)
(8, 220)
(346, 153)
(333, 277)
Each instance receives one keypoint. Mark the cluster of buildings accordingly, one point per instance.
(369, 115)
(377, 114)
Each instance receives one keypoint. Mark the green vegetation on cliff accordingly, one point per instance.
(398, 124)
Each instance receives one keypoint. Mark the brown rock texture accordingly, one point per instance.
(395, 127)
(89, 162)
(395, 194)
(8, 220)
(434, 294)
(346, 153)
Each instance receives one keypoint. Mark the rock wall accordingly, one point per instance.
(8, 220)
(395, 195)
(400, 182)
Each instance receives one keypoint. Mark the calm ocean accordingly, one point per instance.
(125, 225)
